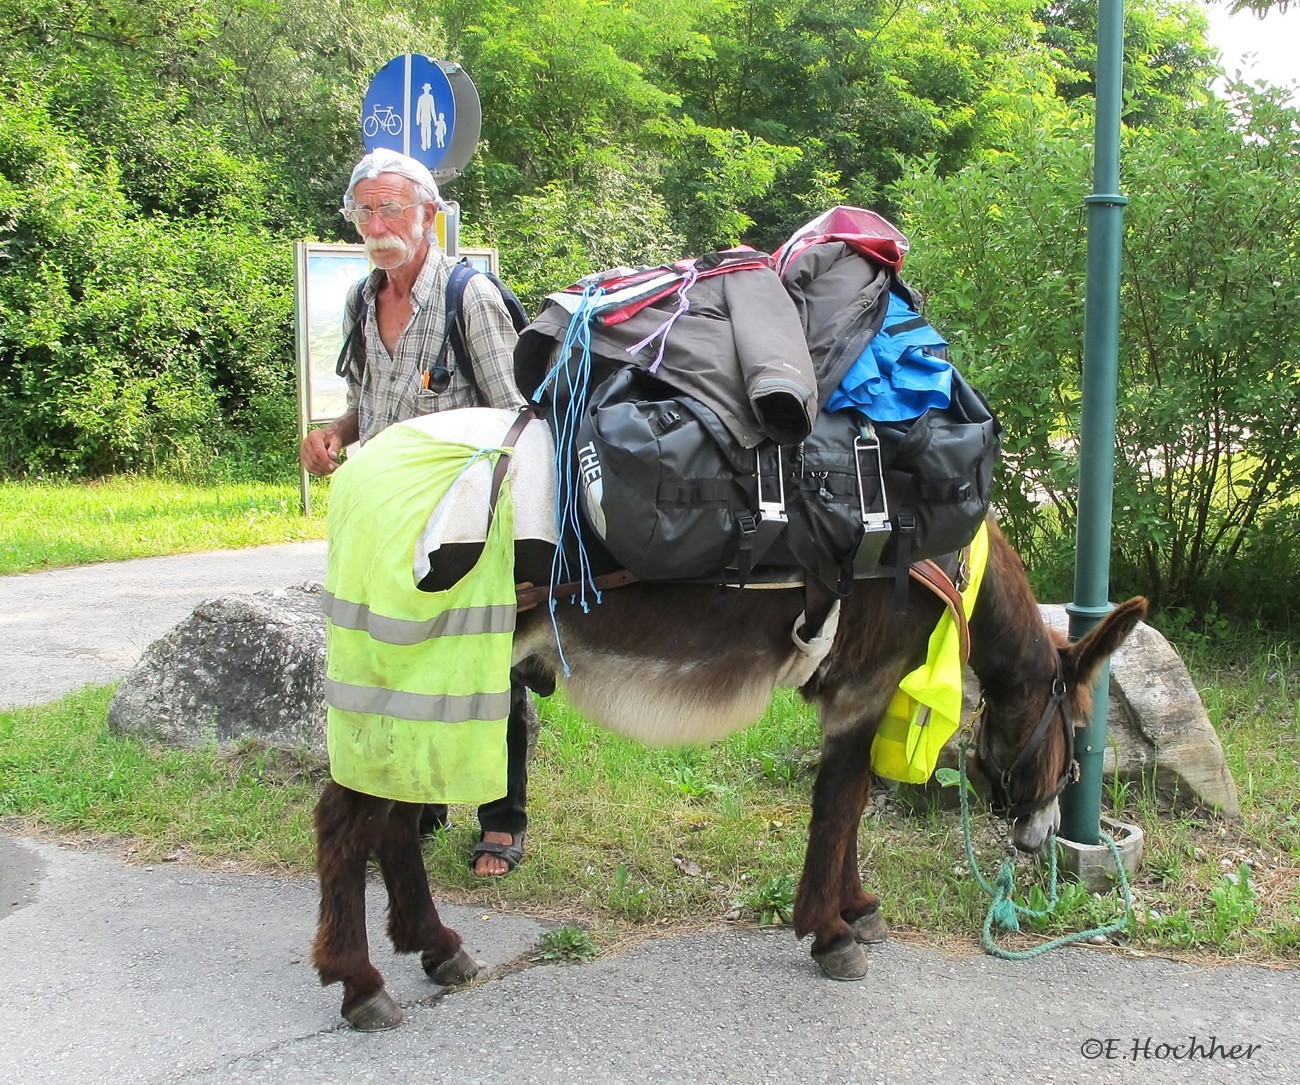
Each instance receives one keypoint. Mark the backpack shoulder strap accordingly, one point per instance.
(461, 273)
(351, 356)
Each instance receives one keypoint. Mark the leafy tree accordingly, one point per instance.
(558, 80)
(852, 84)
(552, 238)
(570, 85)
(1259, 7)
(283, 80)
(1207, 458)
(1168, 64)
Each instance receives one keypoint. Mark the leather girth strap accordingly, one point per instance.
(934, 577)
(529, 595)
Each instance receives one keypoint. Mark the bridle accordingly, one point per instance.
(999, 778)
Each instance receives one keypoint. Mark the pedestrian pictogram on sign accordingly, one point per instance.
(425, 108)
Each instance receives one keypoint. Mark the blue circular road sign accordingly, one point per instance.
(411, 107)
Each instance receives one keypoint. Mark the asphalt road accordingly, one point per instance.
(121, 973)
(88, 625)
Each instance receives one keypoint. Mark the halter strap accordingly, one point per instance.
(1000, 778)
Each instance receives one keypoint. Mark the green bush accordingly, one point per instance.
(128, 338)
(1207, 462)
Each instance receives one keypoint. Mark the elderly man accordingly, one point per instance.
(391, 200)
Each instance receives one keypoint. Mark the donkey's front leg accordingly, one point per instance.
(858, 908)
(349, 827)
(831, 903)
(413, 922)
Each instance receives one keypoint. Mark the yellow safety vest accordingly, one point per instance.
(417, 683)
(926, 710)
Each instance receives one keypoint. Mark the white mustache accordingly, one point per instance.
(387, 243)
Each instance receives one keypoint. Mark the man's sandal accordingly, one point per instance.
(512, 853)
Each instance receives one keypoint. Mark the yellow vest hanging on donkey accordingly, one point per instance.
(417, 683)
(926, 710)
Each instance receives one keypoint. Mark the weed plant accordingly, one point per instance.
(567, 944)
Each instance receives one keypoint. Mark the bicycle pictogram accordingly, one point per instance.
(384, 117)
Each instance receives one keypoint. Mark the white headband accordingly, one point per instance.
(382, 160)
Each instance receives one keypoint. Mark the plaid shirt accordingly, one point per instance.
(390, 388)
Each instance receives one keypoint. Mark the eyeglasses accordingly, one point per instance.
(389, 212)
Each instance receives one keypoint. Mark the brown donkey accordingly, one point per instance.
(691, 663)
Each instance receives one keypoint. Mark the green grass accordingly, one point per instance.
(1233, 887)
(49, 525)
(62, 770)
(624, 840)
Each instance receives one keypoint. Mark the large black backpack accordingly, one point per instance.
(672, 495)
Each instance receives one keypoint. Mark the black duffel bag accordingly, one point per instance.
(664, 484)
(672, 495)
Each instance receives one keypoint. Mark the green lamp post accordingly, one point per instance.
(1081, 802)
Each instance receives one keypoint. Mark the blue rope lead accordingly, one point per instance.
(1005, 912)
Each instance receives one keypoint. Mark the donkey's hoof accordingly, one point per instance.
(374, 1013)
(452, 972)
(870, 929)
(846, 962)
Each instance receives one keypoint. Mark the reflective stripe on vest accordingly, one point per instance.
(926, 710)
(427, 707)
(417, 683)
(450, 623)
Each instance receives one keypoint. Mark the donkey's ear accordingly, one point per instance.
(1084, 658)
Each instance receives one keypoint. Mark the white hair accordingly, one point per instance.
(382, 160)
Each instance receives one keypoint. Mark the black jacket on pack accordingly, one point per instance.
(841, 298)
(739, 348)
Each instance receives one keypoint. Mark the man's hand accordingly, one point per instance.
(322, 449)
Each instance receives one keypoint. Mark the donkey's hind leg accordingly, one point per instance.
(349, 827)
(831, 902)
(413, 922)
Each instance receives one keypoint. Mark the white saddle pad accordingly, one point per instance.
(461, 517)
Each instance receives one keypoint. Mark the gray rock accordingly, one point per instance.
(239, 667)
(1158, 731)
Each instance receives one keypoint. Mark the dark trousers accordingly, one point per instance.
(509, 814)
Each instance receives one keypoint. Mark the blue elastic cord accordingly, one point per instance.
(576, 379)
(481, 454)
